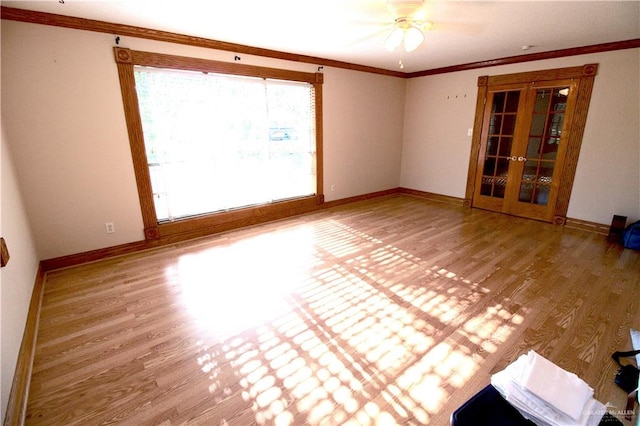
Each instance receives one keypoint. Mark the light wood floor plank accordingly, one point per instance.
(390, 311)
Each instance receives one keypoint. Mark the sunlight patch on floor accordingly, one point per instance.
(351, 342)
(253, 277)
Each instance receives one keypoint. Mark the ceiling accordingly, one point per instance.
(354, 31)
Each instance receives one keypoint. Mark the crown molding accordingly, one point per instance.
(55, 20)
(583, 50)
(44, 18)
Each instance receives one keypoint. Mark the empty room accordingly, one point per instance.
(344, 212)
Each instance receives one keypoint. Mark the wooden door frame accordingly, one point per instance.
(584, 77)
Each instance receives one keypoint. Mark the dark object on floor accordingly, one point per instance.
(489, 408)
(631, 236)
(628, 378)
(618, 224)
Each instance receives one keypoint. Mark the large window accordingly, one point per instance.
(209, 138)
(217, 142)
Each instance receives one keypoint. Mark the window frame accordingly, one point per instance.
(210, 223)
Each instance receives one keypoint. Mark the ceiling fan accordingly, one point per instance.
(409, 25)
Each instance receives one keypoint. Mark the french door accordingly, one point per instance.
(527, 131)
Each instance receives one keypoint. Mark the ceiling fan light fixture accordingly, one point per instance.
(395, 39)
(406, 33)
(413, 38)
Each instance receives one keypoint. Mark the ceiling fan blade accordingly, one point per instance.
(371, 22)
(380, 35)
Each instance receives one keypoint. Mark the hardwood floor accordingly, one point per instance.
(390, 311)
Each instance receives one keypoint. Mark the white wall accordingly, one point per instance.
(439, 111)
(435, 155)
(608, 174)
(363, 119)
(18, 276)
(64, 119)
(72, 156)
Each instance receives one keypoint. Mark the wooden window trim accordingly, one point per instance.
(206, 224)
(584, 76)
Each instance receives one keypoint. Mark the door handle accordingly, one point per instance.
(514, 158)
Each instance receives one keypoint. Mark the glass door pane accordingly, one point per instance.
(543, 142)
(502, 124)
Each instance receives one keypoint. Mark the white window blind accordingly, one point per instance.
(217, 142)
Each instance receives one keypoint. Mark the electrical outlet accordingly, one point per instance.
(470, 132)
(333, 187)
(110, 228)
